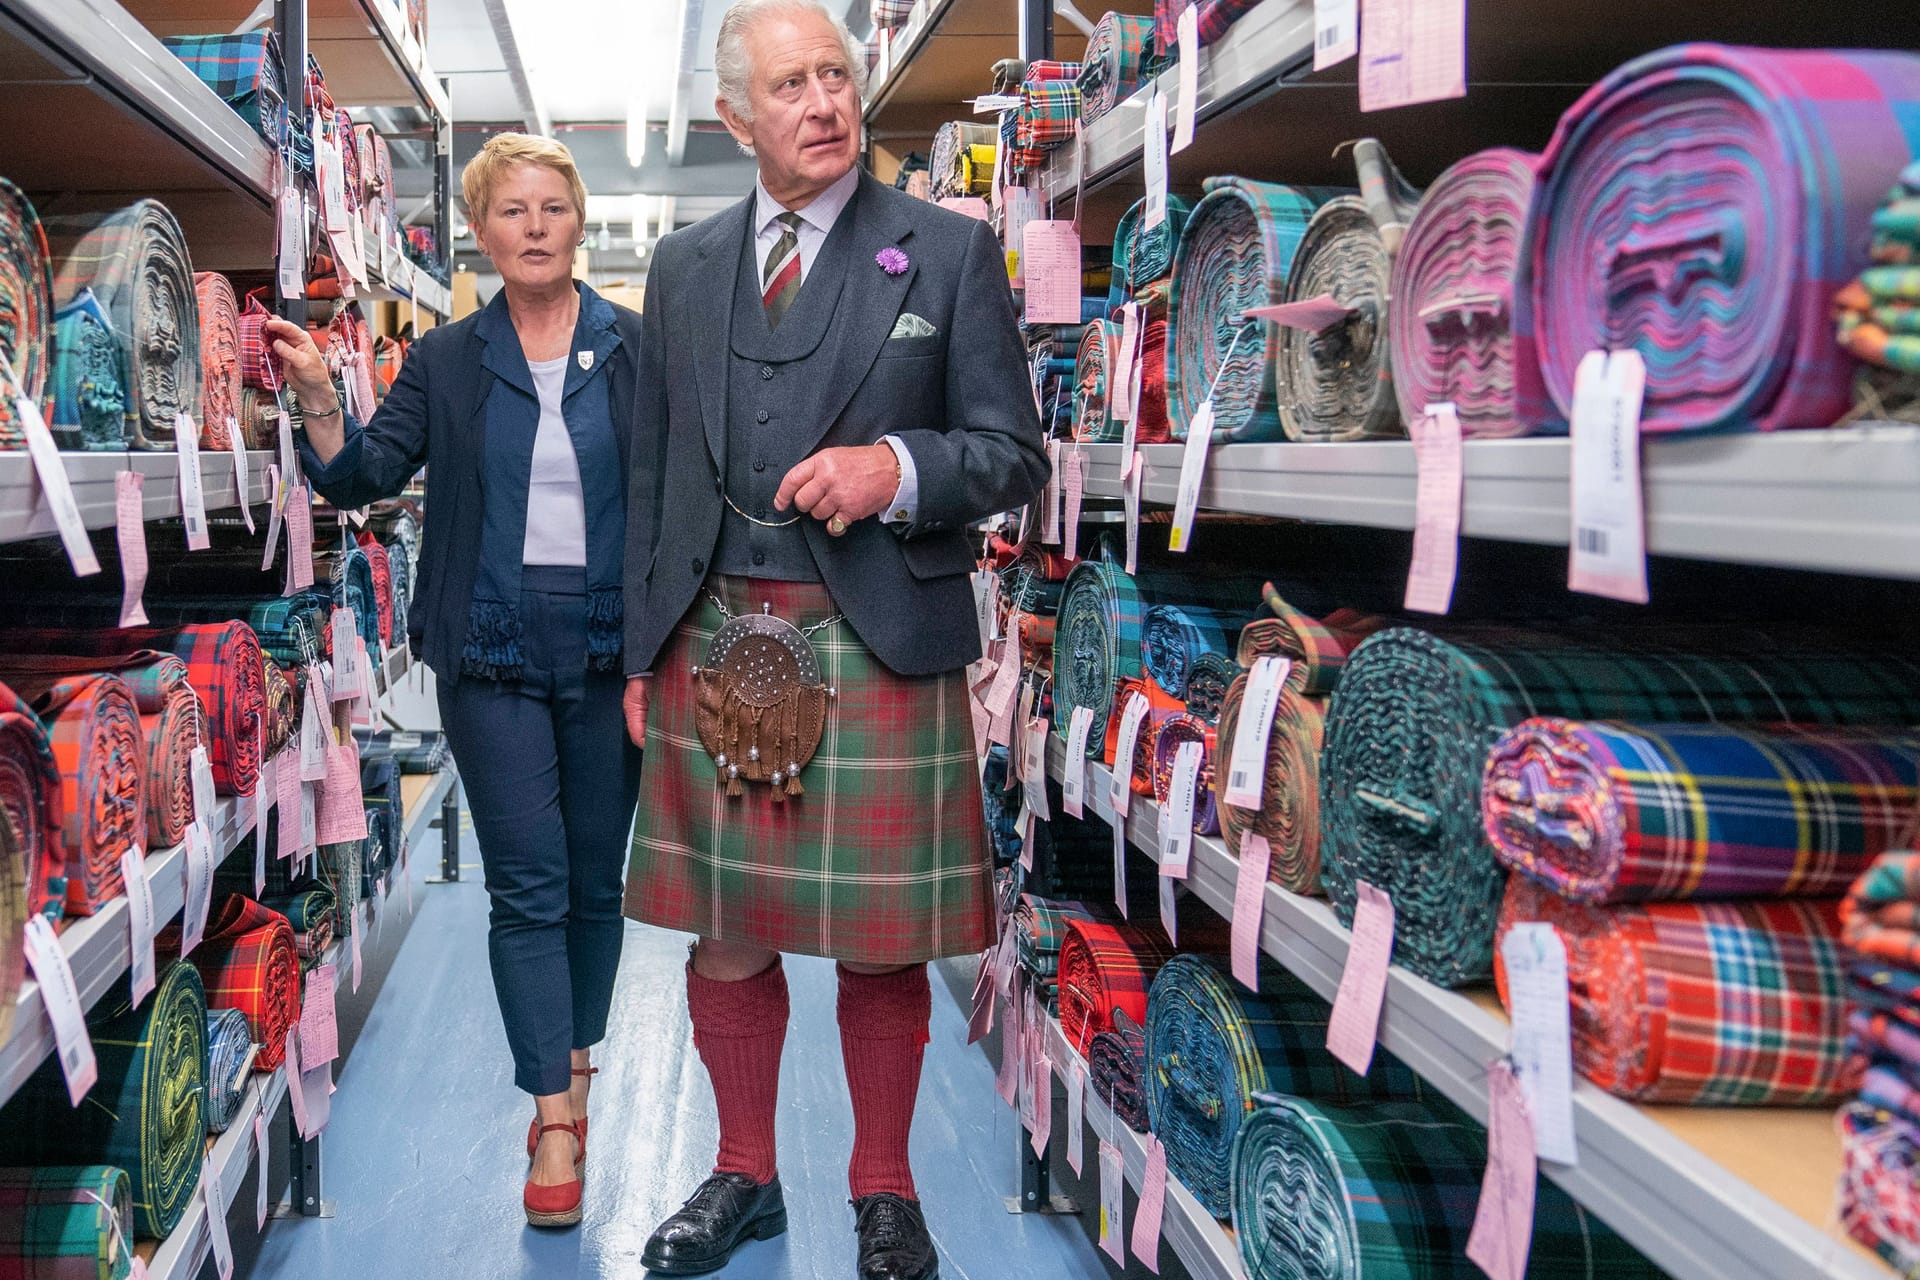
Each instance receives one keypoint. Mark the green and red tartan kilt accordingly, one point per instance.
(883, 860)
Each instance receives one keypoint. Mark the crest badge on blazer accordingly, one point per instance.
(586, 359)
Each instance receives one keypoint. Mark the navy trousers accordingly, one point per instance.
(551, 781)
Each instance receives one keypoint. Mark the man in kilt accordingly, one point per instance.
(840, 388)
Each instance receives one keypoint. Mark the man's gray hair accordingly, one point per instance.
(732, 67)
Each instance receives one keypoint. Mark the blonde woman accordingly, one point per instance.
(522, 414)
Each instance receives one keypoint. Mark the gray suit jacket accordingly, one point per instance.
(959, 399)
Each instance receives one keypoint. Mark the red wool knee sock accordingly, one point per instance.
(883, 1035)
(739, 1029)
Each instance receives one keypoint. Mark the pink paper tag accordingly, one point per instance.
(299, 538)
(972, 206)
(1355, 1023)
(1249, 897)
(319, 1031)
(1312, 315)
(1112, 1199)
(1007, 1083)
(1412, 51)
(343, 815)
(131, 531)
(1436, 510)
(1050, 265)
(287, 785)
(1502, 1233)
(1152, 1206)
(1042, 1092)
(296, 1095)
(1076, 489)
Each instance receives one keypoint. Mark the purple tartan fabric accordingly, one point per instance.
(1703, 204)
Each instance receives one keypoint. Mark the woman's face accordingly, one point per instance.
(531, 227)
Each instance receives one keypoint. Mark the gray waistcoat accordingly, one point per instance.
(765, 369)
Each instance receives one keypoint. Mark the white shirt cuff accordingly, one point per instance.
(905, 507)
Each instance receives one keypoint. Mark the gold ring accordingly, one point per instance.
(836, 526)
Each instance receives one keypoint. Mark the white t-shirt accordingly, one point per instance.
(556, 507)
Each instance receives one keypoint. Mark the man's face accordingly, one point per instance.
(805, 130)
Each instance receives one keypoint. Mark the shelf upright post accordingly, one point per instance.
(1036, 30)
(443, 187)
(450, 836)
(290, 21)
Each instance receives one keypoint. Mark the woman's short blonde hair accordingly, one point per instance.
(504, 150)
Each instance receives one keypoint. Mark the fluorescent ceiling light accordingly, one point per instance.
(636, 132)
(642, 214)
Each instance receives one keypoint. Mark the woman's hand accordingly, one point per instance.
(306, 370)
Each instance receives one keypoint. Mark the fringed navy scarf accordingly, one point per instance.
(512, 419)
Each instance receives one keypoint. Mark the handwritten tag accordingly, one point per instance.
(1355, 1024)
(55, 488)
(315, 729)
(140, 921)
(260, 1171)
(130, 532)
(1502, 1234)
(1247, 762)
(1126, 744)
(1077, 1113)
(193, 497)
(1336, 32)
(197, 903)
(971, 206)
(1188, 29)
(346, 670)
(1312, 315)
(1113, 1189)
(343, 814)
(1249, 901)
(1076, 489)
(286, 777)
(1050, 262)
(319, 1027)
(1153, 1197)
(1412, 51)
(1155, 160)
(299, 539)
(1609, 537)
(1193, 469)
(1436, 510)
(1176, 829)
(60, 996)
(216, 1203)
(1536, 963)
(1073, 777)
(241, 487)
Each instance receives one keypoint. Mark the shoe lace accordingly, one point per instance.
(706, 1198)
(887, 1222)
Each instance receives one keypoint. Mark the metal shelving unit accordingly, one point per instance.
(1841, 500)
(1653, 1174)
(23, 513)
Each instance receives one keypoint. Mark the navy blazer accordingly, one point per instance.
(432, 417)
(959, 398)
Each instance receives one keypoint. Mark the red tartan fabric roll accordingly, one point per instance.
(30, 792)
(219, 358)
(94, 730)
(1151, 421)
(1704, 1003)
(1104, 967)
(247, 961)
(382, 583)
(259, 366)
(1161, 707)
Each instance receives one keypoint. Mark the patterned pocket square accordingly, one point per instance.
(910, 325)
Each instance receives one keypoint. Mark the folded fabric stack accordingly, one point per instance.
(135, 265)
(93, 727)
(219, 358)
(1316, 650)
(1120, 58)
(247, 961)
(1039, 927)
(1879, 312)
(1212, 1045)
(14, 913)
(961, 162)
(1734, 338)
(1455, 290)
(65, 1221)
(147, 1110)
(26, 299)
(246, 71)
(1416, 713)
(1339, 1192)
(229, 1065)
(30, 787)
(309, 911)
(1117, 1070)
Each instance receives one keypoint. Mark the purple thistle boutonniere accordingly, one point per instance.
(891, 260)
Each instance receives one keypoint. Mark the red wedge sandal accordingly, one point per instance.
(557, 1206)
(533, 1126)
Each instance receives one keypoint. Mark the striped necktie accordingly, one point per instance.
(780, 281)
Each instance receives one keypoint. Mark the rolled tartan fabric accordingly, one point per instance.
(1235, 252)
(259, 414)
(1216, 16)
(951, 162)
(259, 364)
(90, 377)
(1117, 1068)
(173, 723)
(247, 961)
(351, 571)
(147, 1111)
(66, 1222)
(1174, 637)
(94, 729)
(1705, 1003)
(1106, 966)
(30, 788)
(1880, 916)
(889, 13)
(1212, 1045)
(1388, 1191)
(1174, 733)
(229, 1050)
(1880, 1184)
(1416, 713)
(282, 708)
(309, 913)
(1878, 314)
(219, 357)
(1146, 253)
(1120, 58)
(1039, 927)
(246, 70)
(1317, 648)
(382, 588)
(1049, 108)
(1207, 684)
(26, 310)
(1161, 707)
(1337, 383)
(1606, 812)
(1454, 290)
(1093, 420)
(1657, 194)
(1289, 813)
(14, 913)
(135, 262)
(1150, 414)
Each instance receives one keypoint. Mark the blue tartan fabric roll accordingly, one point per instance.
(246, 71)
(229, 1063)
(1176, 636)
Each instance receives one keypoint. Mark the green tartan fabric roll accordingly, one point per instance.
(1336, 383)
(1093, 420)
(66, 1222)
(1387, 1191)
(1120, 58)
(1416, 714)
(147, 1112)
(1150, 250)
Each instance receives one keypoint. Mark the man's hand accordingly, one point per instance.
(634, 703)
(848, 483)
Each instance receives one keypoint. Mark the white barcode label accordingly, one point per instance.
(1239, 779)
(1608, 525)
(1177, 818)
(1591, 541)
(1247, 764)
(1125, 742)
(1334, 32)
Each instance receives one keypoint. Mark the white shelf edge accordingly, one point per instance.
(23, 513)
(1690, 1215)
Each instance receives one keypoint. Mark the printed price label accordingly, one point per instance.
(61, 998)
(140, 921)
(1188, 31)
(1247, 762)
(1609, 536)
(1336, 33)
(291, 257)
(1035, 774)
(1169, 892)
(198, 899)
(200, 771)
(1126, 742)
(347, 675)
(241, 488)
(1542, 1053)
(55, 488)
(1193, 469)
(1076, 1114)
(1176, 832)
(1113, 1189)
(193, 498)
(1155, 160)
(1073, 777)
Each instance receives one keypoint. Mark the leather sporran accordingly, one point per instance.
(760, 705)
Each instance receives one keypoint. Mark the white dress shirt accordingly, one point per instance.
(556, 504)
(816, 220)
